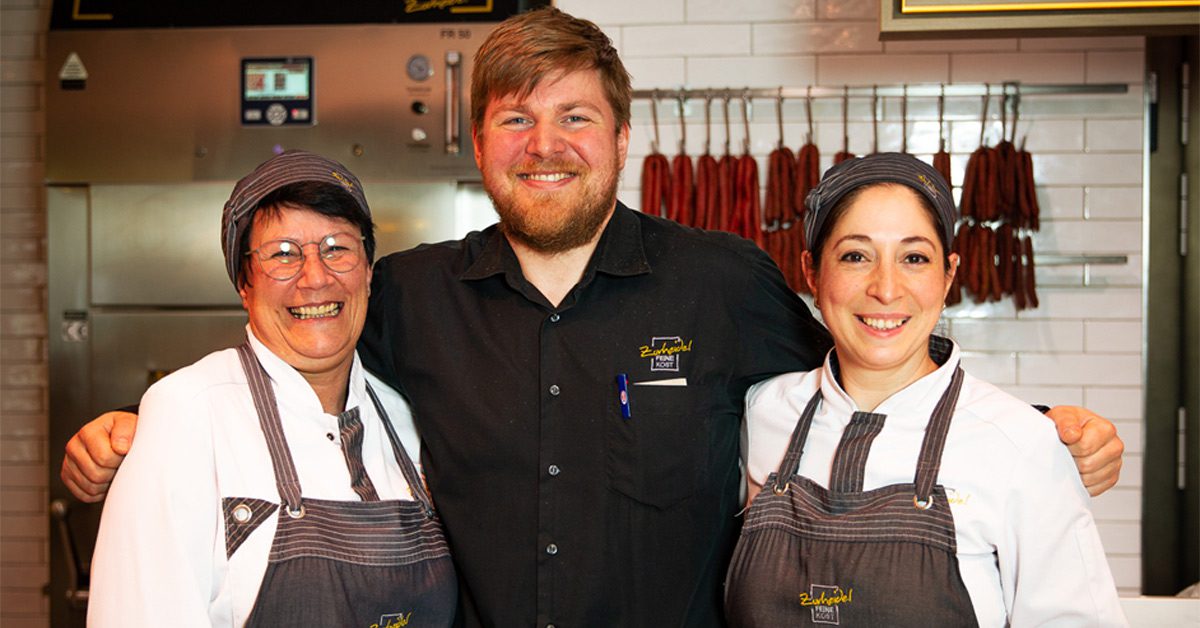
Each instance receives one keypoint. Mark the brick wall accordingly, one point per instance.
(23, 470)
(1083, 344)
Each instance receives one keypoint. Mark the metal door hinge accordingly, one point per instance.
(1181, 450)
(1183, 214)
(1184, 111)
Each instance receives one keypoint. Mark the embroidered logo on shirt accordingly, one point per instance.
(394, 620)
(664, 352)
(955, 497)
(823, 600)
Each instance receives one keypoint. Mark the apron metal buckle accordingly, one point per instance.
(923, 504)
(780, 489)
(294, 514)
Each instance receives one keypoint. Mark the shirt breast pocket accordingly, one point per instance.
(659, 455)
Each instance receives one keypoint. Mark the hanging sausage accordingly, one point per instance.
(656, 173)
(778, 210)
(941, 159)
(679, 207)
(726, 178)
(808, 175)
(1004, 154)
(747, 204)
(1024, 289)
(706, 176)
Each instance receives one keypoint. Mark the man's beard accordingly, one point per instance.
(542, 222)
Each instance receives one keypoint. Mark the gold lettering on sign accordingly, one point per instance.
(417, 6)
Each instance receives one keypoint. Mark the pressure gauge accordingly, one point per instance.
(419, 68)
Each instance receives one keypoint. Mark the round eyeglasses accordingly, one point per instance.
(282, 259)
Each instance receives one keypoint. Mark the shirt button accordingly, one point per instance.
(554, 317)
(551, 549)
(554, 390)
(554, 470)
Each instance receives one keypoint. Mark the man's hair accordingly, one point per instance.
(527, 48)
(323, 198)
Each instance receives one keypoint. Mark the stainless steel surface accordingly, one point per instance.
(158, 245)
(164, 106)
(70, 363)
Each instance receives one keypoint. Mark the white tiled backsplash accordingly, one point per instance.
(1083, 344)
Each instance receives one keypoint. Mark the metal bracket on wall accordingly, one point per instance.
(920, 90)
(1076, 260)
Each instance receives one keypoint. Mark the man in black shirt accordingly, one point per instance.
(577, 371)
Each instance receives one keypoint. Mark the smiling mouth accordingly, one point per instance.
(546, 177)
(325, 310)
(883, 324)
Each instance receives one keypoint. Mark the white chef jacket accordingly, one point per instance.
(1028, 549)
(160, 552)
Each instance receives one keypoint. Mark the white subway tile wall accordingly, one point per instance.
(1083, 344)
(24, 527)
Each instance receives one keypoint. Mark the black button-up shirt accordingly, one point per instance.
(559, 509)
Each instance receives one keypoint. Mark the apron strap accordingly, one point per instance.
(791, 461)
(850, 459)
(415, 484)
(286, 479)
(930, 460)
(350, 428)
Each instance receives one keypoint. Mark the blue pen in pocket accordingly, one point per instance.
(623, 395)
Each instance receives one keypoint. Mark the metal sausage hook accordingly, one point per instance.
(942, 117)
(746, 113)
(779, 116)
(874, 119)
(845, 118)
(725, 118)
(679, 100)
(904, 119)
(707, 122)
(654, 117)
(808, 113)
(987, 97)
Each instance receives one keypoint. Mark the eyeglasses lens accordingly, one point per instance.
(283, 259)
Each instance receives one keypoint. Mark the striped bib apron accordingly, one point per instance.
(368, 564)
(842, 556)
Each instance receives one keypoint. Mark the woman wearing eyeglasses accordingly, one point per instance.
(268, 485)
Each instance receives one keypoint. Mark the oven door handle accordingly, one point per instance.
(77, 573)
(454, 71)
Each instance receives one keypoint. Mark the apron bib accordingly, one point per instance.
(810, 556)
(368, 564)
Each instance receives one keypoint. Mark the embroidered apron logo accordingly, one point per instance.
(393, 620)
(664, 351)
(824, 601)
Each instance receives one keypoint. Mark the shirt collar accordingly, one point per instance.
(620, 251)
(291, 386)
(916, 400)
